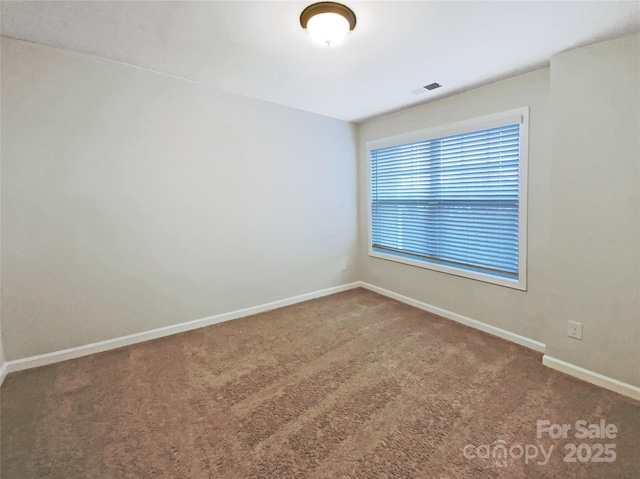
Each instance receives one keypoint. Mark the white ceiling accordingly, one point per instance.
(258, 48)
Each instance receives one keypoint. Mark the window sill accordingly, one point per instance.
(519, 284)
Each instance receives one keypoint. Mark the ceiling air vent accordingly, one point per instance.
(432, 86)
(426, 88)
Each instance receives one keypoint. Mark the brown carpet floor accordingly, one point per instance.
(350, 385)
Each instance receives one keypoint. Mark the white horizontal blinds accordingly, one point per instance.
(451, 200)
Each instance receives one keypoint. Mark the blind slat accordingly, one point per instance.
(451, 200)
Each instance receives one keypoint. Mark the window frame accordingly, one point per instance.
(517, 115)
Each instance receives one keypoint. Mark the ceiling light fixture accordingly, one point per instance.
(328, 22)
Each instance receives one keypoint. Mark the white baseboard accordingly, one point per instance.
(85, 350)
(487, 328)
(557, 364)
(3, 372)
(553, 363)
(592, 377)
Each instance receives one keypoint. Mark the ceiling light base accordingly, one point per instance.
(327, 7)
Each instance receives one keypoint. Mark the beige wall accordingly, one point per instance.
(583, 216)
(594, 245)
(523, 313)
(132, 200)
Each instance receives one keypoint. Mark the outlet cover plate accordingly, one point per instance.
(574, 330)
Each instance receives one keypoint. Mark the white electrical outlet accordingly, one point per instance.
(344, 266)
(574, 330)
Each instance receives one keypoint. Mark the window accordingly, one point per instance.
(453, 199)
